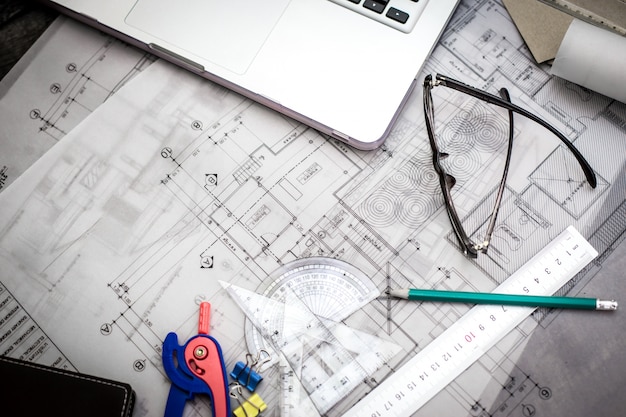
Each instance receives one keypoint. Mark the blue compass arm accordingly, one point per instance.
(184, 383)
(176, 401)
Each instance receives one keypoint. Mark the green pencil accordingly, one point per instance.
(504, 299)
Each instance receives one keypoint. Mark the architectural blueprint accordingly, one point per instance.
(113, 238)
(67, 74)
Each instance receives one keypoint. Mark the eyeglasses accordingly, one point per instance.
(447, 181)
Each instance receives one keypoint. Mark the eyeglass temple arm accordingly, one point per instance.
(490, 98)
(505, 172)
(445, 180)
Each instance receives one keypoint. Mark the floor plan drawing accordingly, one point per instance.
(76, 69)
(174, 184)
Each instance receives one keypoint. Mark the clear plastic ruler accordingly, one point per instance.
(446, 357)
(294, 399)
(328, 288)
(322, 360)
(598, 14)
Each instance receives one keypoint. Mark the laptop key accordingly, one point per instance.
(375, 6)
(397, 15)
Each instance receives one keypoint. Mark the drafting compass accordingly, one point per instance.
(325, 358)
(197, 367)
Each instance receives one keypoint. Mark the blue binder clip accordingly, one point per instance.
(245, 374)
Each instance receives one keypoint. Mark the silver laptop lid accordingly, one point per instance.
(343, 69)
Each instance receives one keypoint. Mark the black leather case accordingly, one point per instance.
(29, 389)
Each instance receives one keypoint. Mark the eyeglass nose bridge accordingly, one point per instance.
(450, 181)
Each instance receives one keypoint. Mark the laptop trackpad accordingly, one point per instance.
(228, 33)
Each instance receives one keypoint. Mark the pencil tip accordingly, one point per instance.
(606, 305)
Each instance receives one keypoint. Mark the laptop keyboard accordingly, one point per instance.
(399, 14)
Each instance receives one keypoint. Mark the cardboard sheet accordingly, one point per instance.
(542, 27)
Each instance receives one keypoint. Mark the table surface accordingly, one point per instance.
(21, 23)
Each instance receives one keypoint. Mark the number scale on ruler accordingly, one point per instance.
(299, 319)
(446, 357)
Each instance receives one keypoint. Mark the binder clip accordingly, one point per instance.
(250, 407)
(245, 375)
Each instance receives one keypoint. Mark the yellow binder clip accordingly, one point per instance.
(250, 407)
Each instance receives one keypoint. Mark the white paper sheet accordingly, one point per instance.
(593, 58)
(112, 238)
(66, 75)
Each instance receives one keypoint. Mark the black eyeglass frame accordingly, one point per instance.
(447, 181)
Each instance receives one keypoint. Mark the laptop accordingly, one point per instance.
(343, 67)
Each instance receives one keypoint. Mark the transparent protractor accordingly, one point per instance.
(326, 287)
